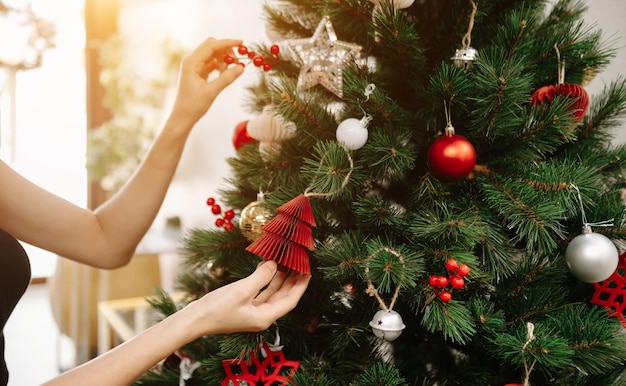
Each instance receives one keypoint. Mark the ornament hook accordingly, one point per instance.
(371, 290)
(369, 89)
(587, 225)
(447, 110)
(467, 39)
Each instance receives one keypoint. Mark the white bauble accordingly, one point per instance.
(352, 133)
(591, 257)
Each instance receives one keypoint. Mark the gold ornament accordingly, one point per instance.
(253, 217)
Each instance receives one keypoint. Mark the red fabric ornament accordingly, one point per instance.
(241, 136)
(451, 156)
(611, 293)
(267, 367)
(288, 237)
(576, 92)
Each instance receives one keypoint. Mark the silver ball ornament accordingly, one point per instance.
(352, 133)
(387, 325)
(591, 257)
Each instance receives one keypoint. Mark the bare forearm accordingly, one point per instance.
(128, 361)
(250, 304)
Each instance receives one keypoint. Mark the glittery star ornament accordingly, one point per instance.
(322, 58)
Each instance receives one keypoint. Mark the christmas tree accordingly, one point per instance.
(441, 171)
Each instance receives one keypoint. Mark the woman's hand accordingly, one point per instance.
(196, 88)
(245, 305)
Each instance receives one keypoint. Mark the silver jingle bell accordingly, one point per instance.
(463, 57)
(387, 325)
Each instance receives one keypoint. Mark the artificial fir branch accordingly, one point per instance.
(606, 110)
(454, 321)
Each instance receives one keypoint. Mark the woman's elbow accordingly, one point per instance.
(112, 261)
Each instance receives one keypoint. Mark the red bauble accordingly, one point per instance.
(546, 94)
(451, 157)
(241, 136)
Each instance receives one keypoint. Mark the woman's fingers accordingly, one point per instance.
(275, 285)
(209, 55)
(286, 298)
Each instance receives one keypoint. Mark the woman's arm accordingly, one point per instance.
(108, 236)
(236, 307)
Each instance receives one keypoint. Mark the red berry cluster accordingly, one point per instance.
(455, 279)
(225, 221)
(257, 60)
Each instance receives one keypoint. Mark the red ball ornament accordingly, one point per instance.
(241, 136)
(576, 92)
(451, 156)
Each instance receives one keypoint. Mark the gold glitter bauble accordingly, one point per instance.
(252, 219)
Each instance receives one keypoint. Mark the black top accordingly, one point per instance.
(14, 279)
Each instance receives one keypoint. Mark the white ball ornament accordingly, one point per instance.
(352, 133)
(591, 257)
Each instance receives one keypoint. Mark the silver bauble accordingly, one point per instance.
(591, 257)
(387, 325)
(463, 57)
(253, 217)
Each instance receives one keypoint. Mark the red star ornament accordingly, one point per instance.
(267, 367)
(611, 293)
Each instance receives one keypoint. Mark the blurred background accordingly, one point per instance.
(84, 86)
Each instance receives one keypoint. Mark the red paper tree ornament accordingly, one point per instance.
(267, 366)
(611, 293)
(288, 236)
(576, 92)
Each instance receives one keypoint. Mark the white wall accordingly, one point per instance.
(608, 15)
(203, 167)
